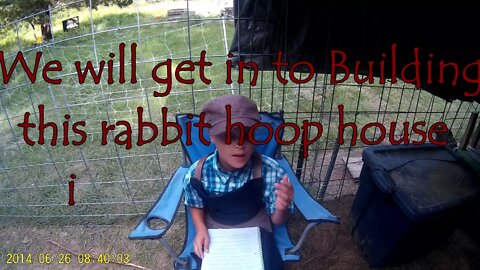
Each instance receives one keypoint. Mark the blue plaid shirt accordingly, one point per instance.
(217, 181)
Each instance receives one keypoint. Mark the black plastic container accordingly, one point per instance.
(409, 200)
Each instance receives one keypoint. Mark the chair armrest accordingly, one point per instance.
(308, 206)
(164, 209)
(311, 210)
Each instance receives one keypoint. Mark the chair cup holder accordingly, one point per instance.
(155, 223)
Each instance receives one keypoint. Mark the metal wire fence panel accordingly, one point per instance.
(130, 45)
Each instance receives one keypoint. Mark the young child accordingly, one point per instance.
(235, 186)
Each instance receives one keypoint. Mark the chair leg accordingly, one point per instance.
(186, 266)
(179, 263)
(299, 244)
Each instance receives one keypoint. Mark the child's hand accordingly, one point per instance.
(200, 243)
(284, 192)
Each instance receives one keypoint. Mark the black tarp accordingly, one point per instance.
(310, 30)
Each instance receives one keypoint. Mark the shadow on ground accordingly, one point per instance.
(328, 246)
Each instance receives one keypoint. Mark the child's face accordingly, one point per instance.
(233, 156)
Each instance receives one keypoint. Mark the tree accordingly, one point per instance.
(11, 10)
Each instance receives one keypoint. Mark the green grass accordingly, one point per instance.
(109, 176)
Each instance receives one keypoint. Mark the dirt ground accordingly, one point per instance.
(329, 246)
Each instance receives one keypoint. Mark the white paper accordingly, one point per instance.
(234, 249)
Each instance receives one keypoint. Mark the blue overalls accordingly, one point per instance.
(243, 207)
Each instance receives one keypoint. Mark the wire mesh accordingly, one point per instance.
(115, 182)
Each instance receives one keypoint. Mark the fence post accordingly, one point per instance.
(331, 166)
(50, 21)
(19, 42)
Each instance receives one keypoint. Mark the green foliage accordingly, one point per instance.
(11, 10)
(120, 3)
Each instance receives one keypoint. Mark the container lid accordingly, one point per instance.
(424, 180)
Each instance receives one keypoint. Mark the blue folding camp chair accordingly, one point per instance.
(166, 207)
